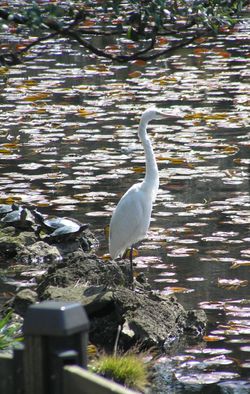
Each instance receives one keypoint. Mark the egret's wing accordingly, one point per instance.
(130, 220)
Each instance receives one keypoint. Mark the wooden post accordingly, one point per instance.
(35, 369)
(6, 374)
(56, 334)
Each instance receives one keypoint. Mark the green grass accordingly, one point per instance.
(129, 370)
(9, 332)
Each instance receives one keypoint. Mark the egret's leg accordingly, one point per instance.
(119, 328)
(131, 267)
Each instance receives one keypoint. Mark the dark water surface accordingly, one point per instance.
(68, 145)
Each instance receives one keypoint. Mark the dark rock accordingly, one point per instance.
(149, 319)
(82, 268)
(196, 322)
(23, 299)
(94, 298)
(39, 252)
(11, 243)
(143, 318)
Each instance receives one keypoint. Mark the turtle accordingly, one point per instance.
(57, 223)
(60, 229)
(7, 208)
(67, 232)
(51, 224)
(20, 218)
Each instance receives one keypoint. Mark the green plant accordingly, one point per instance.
(129, 369)
(9, 332)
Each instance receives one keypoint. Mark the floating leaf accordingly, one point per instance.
(84, 112)
(224, 54)
(198, 115)
(245, 349)
(134, 74)
(200, 40)
(3, 70)
(139, 170)
(100, 68)
(239, 263)
(232, 284)
(5, 151)
(164, 80)
(196, 279)
(213, 305)
(173, 160)
(89, 23)
(41, 110)
(37, 96)
(162, 40)
(205, 378)
(212, 338)
(11, 145)
(171, 290)
(203, 116)
(31, 82)
(182, 252)
(197, 378)
(230, 149)
(139, 62)
(200, 51)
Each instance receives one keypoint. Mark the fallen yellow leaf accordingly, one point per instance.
(3, 70)
(5, 151)
(232, 284)
(138, 169)
(178, 289)
(134, 74)
(35, 97)
(84, 112)
(212, 338)
(106, 257)
(140, 62)
(92, 350)
(238, 264)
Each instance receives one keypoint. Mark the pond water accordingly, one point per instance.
(68, 145)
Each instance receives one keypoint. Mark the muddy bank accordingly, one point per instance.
(74, 273)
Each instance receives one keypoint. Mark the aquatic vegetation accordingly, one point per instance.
(9, 332)
(127, 369)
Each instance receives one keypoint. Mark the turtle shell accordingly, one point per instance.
(56, 223)
(67, 233)
(12, 216)
(20, 218)
(7, 208)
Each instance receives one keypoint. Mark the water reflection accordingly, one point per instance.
(69, 145)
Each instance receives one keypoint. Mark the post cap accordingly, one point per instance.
(55, 318)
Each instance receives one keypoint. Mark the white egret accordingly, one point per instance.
(131, 217)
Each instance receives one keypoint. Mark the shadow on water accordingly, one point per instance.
(69, 146)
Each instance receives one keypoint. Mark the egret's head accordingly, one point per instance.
(153, 113)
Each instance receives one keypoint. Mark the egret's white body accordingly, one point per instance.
(131, 217)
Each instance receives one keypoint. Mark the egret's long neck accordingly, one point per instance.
(151, 180)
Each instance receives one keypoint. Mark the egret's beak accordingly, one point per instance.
(168, 115)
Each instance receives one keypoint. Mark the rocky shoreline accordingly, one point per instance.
(72, 272)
